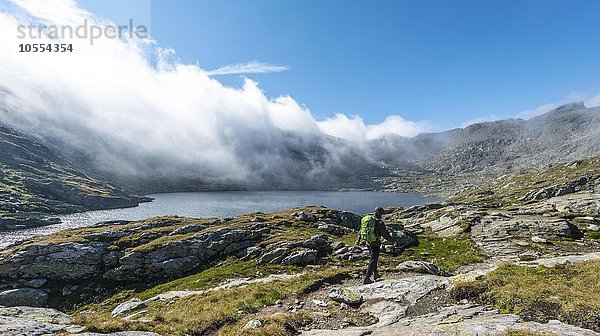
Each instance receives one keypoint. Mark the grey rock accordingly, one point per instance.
(529, 255)
(127, 307)
(68, 289)
(31, 321)
(304, 216)
(66, 261)
(539, 240)
(34, 283)
(189, 229)
(320, 239)
(275, 256)
(345, 295)
(120, 333)
(337, 245)
(551, 262)
(252, 325)
(249, 253)
(332, 229)
(419, 266)
(302, 257)
(498, 236)
(342, 250)
(109, 235)
(465, 319)
(30, 297)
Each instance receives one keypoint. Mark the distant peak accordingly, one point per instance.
(570, 107)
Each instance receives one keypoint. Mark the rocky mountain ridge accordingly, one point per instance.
(36, 184)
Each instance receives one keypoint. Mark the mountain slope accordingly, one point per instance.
(36, 183)
(570, 132)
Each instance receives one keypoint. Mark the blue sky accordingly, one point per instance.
(440, 61)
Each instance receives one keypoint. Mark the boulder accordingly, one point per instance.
(529, 255)
(345, 295)
(31, 321)
(275, 256)
(304, 216)
(34, 283)
(332, 229)
(249, 253)
(189, 229)
(419, 266)
(252, 325)
(337, 245)
(128, 306)
(65, 261)
(302, 257)
(593, 227)
(109, 235)
(30, 297)
(539, 240)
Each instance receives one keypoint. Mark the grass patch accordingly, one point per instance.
(278, 324)
(201, 313)
(525, 332)
(231, 268)
(568, 293)
(447, 253)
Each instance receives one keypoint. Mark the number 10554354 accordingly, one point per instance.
(45, 47)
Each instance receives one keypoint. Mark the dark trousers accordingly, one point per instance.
(374, 251)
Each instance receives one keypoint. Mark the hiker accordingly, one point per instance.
(371, 231)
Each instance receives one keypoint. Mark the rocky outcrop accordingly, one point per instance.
(466, 319)
(76, 262)
(553, 191)
(23, 297)
(170, 247)
(19, 321)
(393, 302)
(497, 234)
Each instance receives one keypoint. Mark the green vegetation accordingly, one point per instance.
(278, 324)
(211, 277)
(199, 313)
(569, 293)
(447, 253)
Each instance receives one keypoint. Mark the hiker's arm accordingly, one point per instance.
(384, 232)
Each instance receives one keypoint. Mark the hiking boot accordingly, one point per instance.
(367, 281)
(377, 277)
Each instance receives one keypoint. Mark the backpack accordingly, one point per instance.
(367, 229)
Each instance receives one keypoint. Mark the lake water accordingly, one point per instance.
(226, 204)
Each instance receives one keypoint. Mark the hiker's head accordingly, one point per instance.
(378, 212)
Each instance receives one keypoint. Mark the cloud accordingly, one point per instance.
(541, 109)
(60, 12)
(343, 127)
(253, 67)
(134, 110)
(587, 99)
(487, 118)
(356, 129)
(592, 101)
(395, 124)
